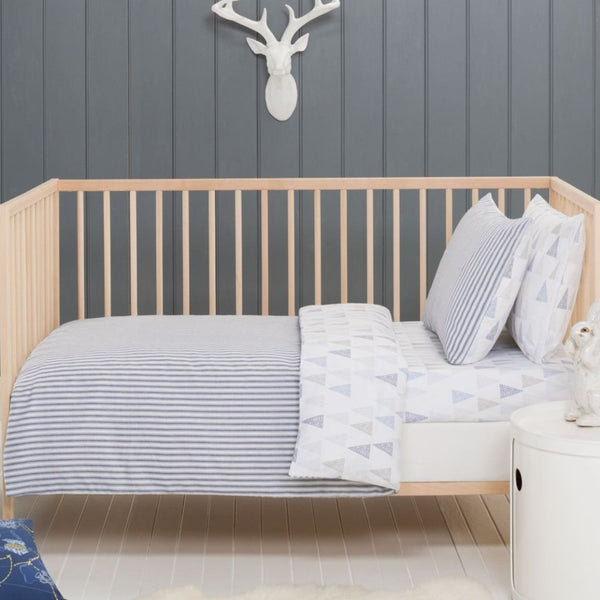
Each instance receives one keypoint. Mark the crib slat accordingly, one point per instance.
(212, 254)
(29, 277)
(264, 250)
(185, 250)
(317, 242)
(35, 272)
(107, 256)
(474, 196)
(343, 246)
(502, 200)
(526, 198)
(56, 257)
(48, 203)
(449, 215)
(133, 268)
(370, 244)
(396, 253)
(422, 250)
(291, 239)
(238, 254)
(80, 257)
(159, 254)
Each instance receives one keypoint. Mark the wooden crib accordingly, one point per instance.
(367, 264)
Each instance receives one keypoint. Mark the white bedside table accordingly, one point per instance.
(555, 506)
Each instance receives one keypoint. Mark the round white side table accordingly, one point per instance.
(555, 506)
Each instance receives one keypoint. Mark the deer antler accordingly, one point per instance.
(296, 23)
(224, 8)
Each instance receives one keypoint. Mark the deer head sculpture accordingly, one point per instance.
(281, 93)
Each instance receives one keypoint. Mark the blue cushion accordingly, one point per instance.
(23, 575)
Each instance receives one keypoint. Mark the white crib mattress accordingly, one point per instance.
(489, 390)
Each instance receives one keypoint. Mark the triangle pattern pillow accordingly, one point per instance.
(477, 281)
(544, 304)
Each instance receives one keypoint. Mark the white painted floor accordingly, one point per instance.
(117, 548)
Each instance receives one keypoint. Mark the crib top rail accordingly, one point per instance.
(302, 183)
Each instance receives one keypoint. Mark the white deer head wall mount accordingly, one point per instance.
(281, 93)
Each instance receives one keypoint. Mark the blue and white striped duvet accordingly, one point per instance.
(205, 405)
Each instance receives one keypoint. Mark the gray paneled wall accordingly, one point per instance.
(161, 88)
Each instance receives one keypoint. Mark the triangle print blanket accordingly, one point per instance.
(351, 388)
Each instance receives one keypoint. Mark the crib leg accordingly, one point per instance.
(8, 507)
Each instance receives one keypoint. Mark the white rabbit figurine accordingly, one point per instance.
(583, 345)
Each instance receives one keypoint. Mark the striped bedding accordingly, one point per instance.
(205, 405)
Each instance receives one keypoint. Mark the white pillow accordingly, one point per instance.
(545, 301)
(477, 281)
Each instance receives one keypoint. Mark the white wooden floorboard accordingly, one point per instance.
(499, 509)
(488, 540)
(116, 548)
(189, 560)
(160, 559)
(304, 548)
(466, 546)
(364, 568)
(334, 565)
(409, 527)
(130, 569)
(247, 559)
(388, 551)
(276, 559)
(79, 558)
(217, 568)
(55, 545)
(108, 549)
(438, 538)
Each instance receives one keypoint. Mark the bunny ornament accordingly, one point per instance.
(583, 346)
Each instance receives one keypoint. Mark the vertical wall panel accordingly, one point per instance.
(279, 153)
(321, 110)
(447, 111)
(573, 92)
(194, 128)
(151, 131)
(64, 125)
(157, 88)
(363, 128)
(405, 134)
(22, 96)
(107, 146)
(488, 87)
(530, 92)
(237, 110)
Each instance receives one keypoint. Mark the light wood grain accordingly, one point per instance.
(370, 248)
(212, 254)
(239, 283)
(264, 251)
(449, 217)
(304, 183)
(343, 246)
(422, 250)
(396, 253)
(185, 251)
(133, 245)
(159, 254)
(107, 255)
(80, 256)
(317, 250)
(291, 249)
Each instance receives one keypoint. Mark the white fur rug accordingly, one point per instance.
(443, 589)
